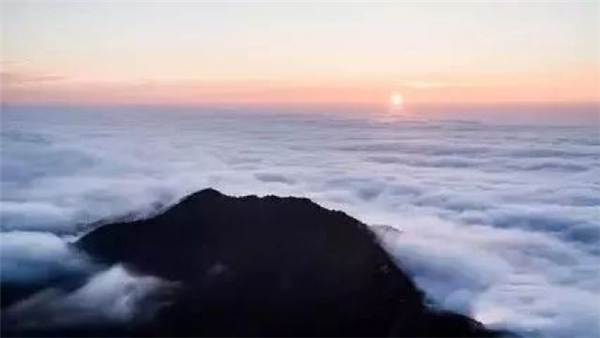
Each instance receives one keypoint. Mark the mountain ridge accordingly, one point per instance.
(269, 266)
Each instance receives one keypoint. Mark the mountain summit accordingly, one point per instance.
(270, 266)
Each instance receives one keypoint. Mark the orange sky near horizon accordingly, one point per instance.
(263, 53)
(528, 90)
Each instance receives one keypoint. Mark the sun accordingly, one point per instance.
(396, 100)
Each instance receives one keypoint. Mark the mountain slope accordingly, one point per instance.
(251, 266)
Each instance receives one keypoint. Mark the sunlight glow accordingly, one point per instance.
(397, 100)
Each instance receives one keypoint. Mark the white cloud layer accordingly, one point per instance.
(37, 256)
(110, 296)
(498, 221)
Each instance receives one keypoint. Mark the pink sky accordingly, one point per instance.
(354, 53)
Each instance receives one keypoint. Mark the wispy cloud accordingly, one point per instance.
(18, 79)
(431, 84)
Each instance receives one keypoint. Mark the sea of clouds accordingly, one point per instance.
(497, 221)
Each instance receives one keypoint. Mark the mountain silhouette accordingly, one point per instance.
(267, 266)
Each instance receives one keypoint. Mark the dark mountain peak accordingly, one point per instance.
(212, 196)
(202, 195)
(263, 266)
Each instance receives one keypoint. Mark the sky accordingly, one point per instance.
(188, 53)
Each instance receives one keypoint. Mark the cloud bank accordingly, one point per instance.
(500, 222)
(110, 296)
